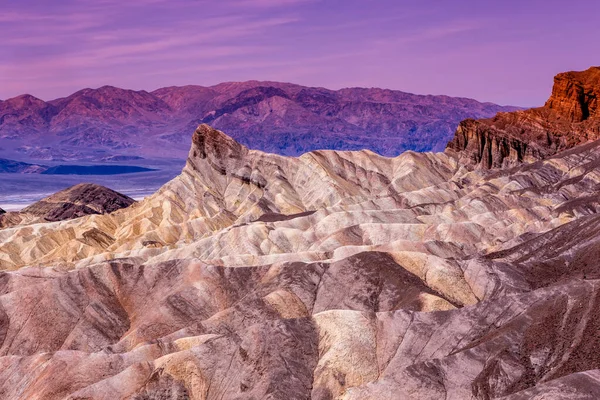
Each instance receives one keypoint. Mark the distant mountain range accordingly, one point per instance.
(18, 167)
(98, 124)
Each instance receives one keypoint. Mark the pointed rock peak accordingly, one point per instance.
(208, 142)
(570, 117)
(2, 211)
(575, 94)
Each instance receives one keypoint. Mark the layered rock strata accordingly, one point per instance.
(334, 275)
(569, 118)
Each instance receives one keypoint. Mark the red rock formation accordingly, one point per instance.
(569, 118)
(575, 95)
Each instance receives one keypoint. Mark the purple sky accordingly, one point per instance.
(501, 51)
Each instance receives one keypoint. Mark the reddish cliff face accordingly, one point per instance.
(575, 95)
(569, 118)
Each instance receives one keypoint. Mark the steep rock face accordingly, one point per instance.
(334, 275)
(569, 118)
(73, 202)
(575, 95)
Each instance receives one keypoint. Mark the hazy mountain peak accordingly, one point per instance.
(25, 101)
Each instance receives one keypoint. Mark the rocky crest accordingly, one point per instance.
(569, 118)
(333, 275)
(575, 95)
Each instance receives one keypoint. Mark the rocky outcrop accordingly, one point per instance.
(486, 147)
(569, 118)
(334, 275)
(575, 95)
(73, 202)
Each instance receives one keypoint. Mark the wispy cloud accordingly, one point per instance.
(268, 3)
(50, 49)
(106, 38)
(432, 33)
